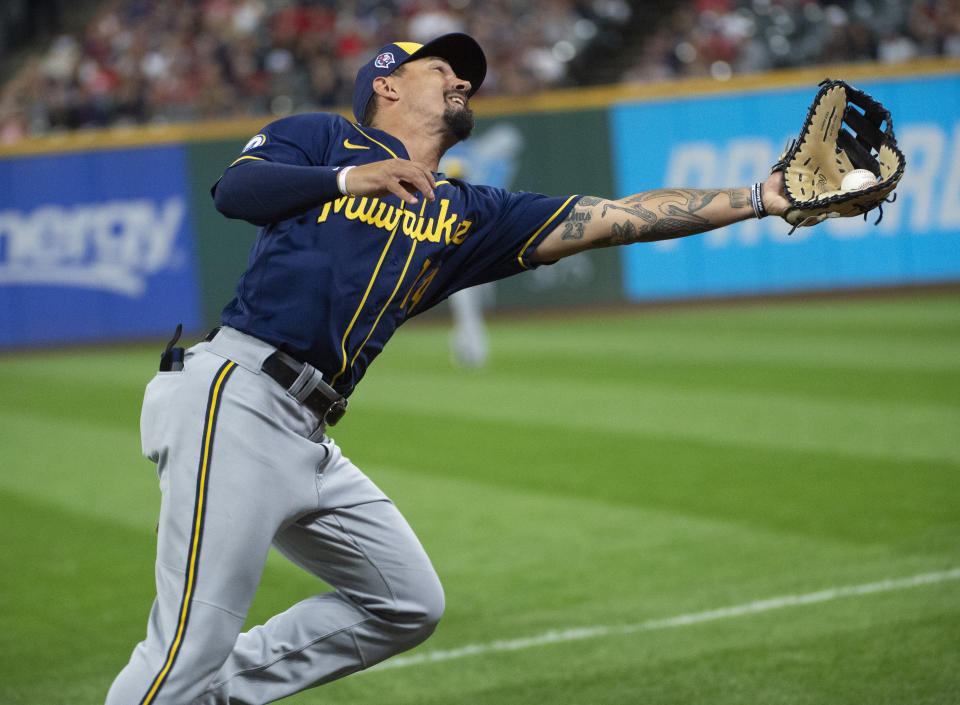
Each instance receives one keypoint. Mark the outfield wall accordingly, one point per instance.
(916, 242)
(112, 234)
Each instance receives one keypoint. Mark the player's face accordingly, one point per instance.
(436, 93)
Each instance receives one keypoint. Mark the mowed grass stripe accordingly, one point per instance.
(931, 318)
(879, 650)
(102, 387)
(880, 335)
(867, 501)
(799, 349)
(75, 591)
(736, 360)
(910, 431)
(81, 465)
(684, 620)
(663, 375)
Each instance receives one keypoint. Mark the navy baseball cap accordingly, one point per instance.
(461, 51)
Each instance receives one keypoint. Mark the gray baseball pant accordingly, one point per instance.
(242, 466)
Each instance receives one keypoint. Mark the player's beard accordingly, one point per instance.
(459, 120)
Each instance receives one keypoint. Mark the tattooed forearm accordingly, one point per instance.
(634, 209)
(576, 222)
(693, 200)
(626, 233)
(739, 197)
(665, 214)
(696, 199)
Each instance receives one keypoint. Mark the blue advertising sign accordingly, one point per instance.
(95, 246)
(731, 140)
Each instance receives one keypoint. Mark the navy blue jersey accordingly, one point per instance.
(330, 284)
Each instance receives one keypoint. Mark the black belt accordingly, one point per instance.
(323, 400)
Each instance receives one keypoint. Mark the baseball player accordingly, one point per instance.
(358, 233)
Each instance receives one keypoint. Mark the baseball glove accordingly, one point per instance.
(845, 129)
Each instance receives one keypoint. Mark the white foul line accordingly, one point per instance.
(773, 603)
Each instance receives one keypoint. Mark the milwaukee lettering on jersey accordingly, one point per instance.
(444, 226)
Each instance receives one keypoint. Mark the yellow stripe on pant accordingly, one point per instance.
(199, 511)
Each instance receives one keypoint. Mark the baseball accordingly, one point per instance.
(858, 179)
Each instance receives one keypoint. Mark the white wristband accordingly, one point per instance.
(756, 200)
(342, 180)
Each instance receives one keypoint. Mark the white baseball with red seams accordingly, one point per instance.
(858, 179)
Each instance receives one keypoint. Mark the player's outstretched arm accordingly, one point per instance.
(662, 214)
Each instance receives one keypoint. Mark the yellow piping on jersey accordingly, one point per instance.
(423, 269)
(390, 151)
(403, 274)
(539, 230)
(376, 271)
(200, 511)
(240, 159)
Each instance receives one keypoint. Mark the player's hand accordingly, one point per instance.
(774, 197)
(399, 177)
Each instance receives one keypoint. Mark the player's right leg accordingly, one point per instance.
(388, 597)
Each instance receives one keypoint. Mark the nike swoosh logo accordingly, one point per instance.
(346, 143)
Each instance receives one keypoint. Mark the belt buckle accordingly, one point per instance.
(335, 411)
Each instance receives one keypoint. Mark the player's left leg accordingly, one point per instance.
(387, 599)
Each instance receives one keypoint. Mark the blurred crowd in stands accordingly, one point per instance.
(155, 61)
(722, 38)
(162, 61)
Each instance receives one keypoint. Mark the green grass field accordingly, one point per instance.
(622, 474)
